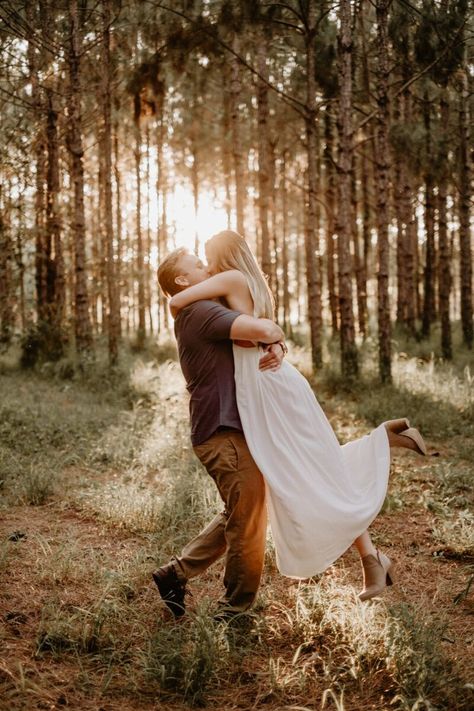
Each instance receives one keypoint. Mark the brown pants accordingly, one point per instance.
(240, 530)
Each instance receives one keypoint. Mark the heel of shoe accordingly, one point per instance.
(389, 578)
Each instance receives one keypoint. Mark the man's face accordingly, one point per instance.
(190, 270)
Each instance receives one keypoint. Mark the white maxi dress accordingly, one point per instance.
(320, 495)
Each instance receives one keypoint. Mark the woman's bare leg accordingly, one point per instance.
(398, 440)
(364, 545)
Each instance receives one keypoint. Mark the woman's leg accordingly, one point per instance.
(398, 440)
(376, 567)
(364, 545)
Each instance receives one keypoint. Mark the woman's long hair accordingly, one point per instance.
(229, 250)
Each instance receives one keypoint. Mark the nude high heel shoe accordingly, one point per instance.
(378, 573)
(397, 426)
(416, 437)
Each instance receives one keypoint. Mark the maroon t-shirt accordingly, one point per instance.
(205, 353)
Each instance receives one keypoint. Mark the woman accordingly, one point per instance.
(321, 496)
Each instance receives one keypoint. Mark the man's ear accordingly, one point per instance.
(181, 281)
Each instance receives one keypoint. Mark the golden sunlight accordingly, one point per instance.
(185, 224)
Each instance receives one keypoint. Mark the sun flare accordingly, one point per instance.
(185, 224)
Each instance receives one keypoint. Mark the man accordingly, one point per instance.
(204, 332)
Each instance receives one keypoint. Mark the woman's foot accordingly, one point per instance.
(378, 573)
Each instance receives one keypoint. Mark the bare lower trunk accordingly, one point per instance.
(264, 169)
(359, 268)
(113, 315)
(118, 232)
(55, 277)
(226, 154)
(331, 236)
(6, 284)
(349, 361)
(381, 171)
(444, 248)
(237, 151)
(465, 196)
(313, 275)
(429, 275)
(83, 330)
(284, 249)
(140, 262)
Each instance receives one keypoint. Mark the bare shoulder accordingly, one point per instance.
(234, 276)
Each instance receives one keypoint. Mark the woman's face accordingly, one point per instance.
(211, 262)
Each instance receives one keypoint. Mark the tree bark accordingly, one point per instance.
(140, 262)
(225, 150)
(429, 275)
(264, 168)
(349, 359)
(359, 269)
(118, 232)
(313, 275)
(40, 171)
(284, 248)
(237, 151)
(55, 275)
(465, 196)
(444, 247)
(381, 171)
(331, 236)
(6, 284)
(83, 330)
(113, 312)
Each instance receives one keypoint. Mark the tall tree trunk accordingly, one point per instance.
(284, 248)
(349, 360)
(465, 196)
(444, 247)
(119, 238)
(331, 235)
(409, 234)
(429, 275)
(6, 284)
(83, 330)
(237, 151)
(226, 135)
(382, 167)
(359, 262)
(40, 169)
(55, 274)
(113, 315)
(148, 250)
(264, 169)
(140, 261)
(313, 275)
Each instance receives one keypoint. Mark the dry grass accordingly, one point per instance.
(104, 489)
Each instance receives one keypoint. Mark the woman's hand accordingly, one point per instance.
(273, 357)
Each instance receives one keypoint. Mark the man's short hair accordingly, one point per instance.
(167, 272)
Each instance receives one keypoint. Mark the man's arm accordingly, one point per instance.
(248, 328)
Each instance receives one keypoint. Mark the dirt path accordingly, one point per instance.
(52, 562)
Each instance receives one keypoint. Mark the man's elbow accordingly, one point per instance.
(271, 333)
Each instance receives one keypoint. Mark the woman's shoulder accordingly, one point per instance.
(235, 277)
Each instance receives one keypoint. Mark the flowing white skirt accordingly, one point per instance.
(321, 495)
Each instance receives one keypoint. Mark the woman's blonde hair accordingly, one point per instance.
(229, 250)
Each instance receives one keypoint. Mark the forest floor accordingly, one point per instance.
(99, 486)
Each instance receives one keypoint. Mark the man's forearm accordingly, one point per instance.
(249, 328)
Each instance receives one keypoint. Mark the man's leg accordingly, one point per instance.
(227, 459)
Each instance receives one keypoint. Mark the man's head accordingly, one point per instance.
(179, 270)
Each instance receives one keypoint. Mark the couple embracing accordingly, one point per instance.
(262, 436)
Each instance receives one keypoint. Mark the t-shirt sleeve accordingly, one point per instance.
(215, 321)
